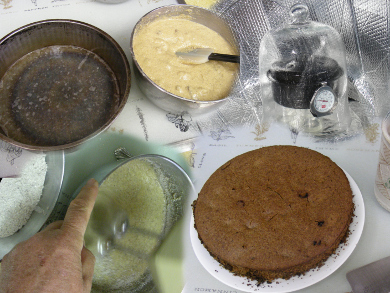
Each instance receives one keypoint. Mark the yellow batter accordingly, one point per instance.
(202, 3)
(155, 46)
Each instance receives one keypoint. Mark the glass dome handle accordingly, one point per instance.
(299, 13)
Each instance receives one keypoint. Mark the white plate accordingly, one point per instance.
(295, 283)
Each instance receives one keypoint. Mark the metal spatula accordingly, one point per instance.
(202, 55)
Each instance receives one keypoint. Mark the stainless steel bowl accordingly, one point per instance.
(177, 187)
(60, 98)
(174, 180)
(51, 190)
(160, 97)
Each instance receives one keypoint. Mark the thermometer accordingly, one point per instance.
(323, 102)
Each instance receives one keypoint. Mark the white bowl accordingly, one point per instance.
(50, 193)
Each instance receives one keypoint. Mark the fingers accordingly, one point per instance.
(88, 265)
(79, 212)
(53, 226)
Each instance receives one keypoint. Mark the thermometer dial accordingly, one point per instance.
(323, 101)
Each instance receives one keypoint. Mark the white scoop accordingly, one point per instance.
(202, 55)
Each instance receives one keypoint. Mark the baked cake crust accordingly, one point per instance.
(274, 212)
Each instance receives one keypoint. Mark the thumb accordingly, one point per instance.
(88, 265)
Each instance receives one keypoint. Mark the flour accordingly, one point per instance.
(20, 196)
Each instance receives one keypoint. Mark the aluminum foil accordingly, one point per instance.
(364, 28)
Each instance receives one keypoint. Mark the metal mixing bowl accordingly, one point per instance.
(160, 97)
(73, 81)
(51, 190)
(177, 187)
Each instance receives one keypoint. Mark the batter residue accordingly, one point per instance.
(57, 95)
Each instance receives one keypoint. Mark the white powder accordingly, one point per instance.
(20, 196)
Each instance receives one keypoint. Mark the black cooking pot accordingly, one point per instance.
(295, 81)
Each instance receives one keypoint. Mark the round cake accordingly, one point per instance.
(274, 212)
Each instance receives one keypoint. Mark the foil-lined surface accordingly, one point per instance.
(364, 28)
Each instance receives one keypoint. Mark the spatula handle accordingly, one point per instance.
(224, 57)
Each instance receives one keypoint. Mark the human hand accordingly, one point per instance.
(55, 259)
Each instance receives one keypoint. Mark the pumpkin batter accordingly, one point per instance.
(155, 45)
(202, 3)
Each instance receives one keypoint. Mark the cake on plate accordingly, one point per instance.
(274, 212)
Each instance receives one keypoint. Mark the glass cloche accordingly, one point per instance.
(303, 76)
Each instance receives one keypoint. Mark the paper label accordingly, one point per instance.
(12, 159)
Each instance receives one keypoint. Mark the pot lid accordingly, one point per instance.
(305, 69)
(302, 48)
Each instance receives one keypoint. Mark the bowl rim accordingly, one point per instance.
(118, 109)
(209, 102)
(112, 167)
